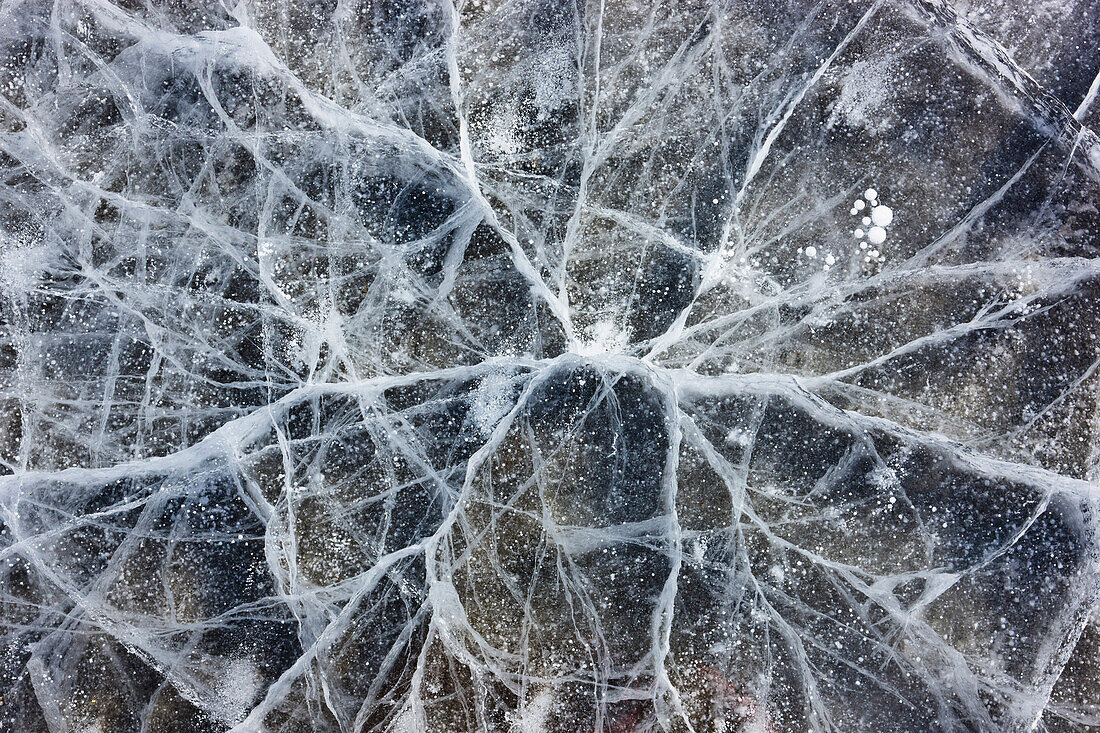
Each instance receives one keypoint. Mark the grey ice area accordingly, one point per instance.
(606, 366)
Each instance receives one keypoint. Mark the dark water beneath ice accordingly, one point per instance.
(549, 366)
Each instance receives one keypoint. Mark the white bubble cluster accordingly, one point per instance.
(881, 216)
(874, 219)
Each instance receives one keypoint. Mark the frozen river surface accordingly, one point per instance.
(549, 365)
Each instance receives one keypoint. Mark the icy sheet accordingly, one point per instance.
(549, 366)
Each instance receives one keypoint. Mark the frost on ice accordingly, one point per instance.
(549, 366)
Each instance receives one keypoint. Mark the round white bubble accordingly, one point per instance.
(877, 235)
(811, 251)
(870, 194)
(882, 215)
(859, 204)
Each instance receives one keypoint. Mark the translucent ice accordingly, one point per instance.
(409, 366)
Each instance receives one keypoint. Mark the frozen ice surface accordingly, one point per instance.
(512, 366)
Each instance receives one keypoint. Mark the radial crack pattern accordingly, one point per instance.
(549, 365)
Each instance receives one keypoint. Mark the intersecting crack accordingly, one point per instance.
(388, 365)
